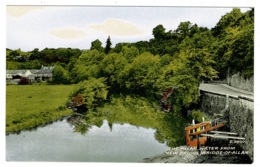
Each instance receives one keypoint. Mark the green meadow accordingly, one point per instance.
(30, 106)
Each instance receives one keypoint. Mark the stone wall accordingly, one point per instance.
(241, 121)
(212, 103)
(240, 112)
(239, 82)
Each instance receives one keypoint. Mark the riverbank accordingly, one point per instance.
(185, 154)
(31, 106)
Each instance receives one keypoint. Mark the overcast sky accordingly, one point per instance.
(30, 27)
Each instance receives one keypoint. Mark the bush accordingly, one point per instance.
(24, 81)
(197, 116)
(89, 93)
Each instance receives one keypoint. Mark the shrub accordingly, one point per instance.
(89, 93)
(197, 116)
(24, 81)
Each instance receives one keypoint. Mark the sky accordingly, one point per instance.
(29, 27)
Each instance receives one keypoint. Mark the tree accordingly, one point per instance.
(186, 69)
(87, 65)
(228, 20)
(35, 54)
(242, 57)
(234, 45)
(13, 54)
(142, 46)
(184, 29)
(97, 45)
(92, 92)
(141, 74)
(119, 46)
(108, 45)
(130, 52)
(111, 67)
(159, 32)
(60, 75)
(166, 59)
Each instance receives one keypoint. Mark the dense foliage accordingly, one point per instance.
(183, 57)
(91, 92)
(234, 43)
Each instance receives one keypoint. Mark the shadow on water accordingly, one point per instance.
(135, 111)
(78, 123)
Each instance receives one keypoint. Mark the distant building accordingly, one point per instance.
(17, 74)
(43, 74)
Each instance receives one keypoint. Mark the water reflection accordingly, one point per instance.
(59, 142)
(127, 129)
(169, 128)
(78, 123)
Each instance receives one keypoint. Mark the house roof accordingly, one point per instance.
(16, 72)
(34, 70)
(43, 70)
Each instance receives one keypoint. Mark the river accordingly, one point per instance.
(59, 142)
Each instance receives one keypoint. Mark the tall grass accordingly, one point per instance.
(33, 105)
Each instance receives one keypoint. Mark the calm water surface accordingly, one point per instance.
(58, 142)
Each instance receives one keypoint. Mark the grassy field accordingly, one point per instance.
(33, 105)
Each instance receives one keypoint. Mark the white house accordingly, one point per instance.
(12, 74)
(45, 73)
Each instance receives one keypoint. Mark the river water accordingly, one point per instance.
(59, 142)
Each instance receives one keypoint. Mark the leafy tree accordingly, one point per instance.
(111, 66)
(93, 91)
(14, 65)
(119, 46)
(163, 42)
(13, 54)
(79, 72)
(60, 75)
(142, 46)
(108, 45)
(87, 65)
(200, 63)
(242, 57)
(141, 74)
(35, 54)
(97, 45)
(177, 73)
(228, 20)
(234, 49)
(130, 52)
(166, 59)
(184, 29)
(186, 70)
(159, 32)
